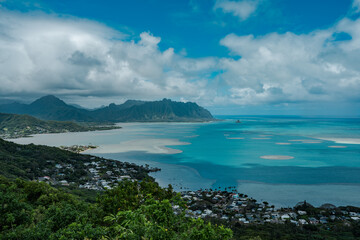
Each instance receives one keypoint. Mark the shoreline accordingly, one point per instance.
(133, 137)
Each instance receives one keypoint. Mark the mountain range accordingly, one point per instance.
(52, 108)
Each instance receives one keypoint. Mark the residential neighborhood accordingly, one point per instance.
(239, 208)
(94, 174)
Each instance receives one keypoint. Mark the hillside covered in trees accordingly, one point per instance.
(132, 210)
(52, 108)
(134, 207)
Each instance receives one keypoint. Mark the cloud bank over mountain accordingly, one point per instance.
(43, 54)
(80, 59)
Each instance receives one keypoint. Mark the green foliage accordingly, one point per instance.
(133, 210)
(32, 161)
(130, 195)
(52, 108)
(156, 220)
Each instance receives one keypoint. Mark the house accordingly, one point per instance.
(207, 211)
(125, 177)
(303, 221)
(243, 220)
(313, 221)
(58, 166)
(294, 222)
(301, 213)
(285, 217)
(64, 183)
(323, 220)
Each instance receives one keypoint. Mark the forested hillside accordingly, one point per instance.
(52, 108)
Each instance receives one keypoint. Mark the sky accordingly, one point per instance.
(234, 57)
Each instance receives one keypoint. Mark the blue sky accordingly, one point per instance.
(194, 25)
(231, 56)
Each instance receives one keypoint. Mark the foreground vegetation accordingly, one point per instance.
(73, 172)
(133, 206)
(132, 210)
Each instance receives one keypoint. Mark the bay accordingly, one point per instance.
(282, 160)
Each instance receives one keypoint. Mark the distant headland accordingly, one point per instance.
(52, 108)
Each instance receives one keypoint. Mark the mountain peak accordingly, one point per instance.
(52, 108)
(48, 100)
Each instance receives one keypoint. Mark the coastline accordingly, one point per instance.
(184, 173)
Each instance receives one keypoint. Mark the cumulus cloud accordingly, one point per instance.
(356, 5)
(241, 9)
(71, 57)
(42, 54)
(285, 68)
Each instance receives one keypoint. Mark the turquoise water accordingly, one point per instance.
(225, 153)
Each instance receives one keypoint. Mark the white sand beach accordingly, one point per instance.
(144, 145)
(276, 157)
(343, 140)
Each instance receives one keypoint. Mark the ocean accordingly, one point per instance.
(281, 160)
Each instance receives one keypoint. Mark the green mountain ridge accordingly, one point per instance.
(53, 108)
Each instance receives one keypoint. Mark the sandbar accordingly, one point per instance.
(343, 140)
(234, 138)
(281, 143)
(312, 141)
(337, 146)
(157, 146)
(192, 136)
(277, 157)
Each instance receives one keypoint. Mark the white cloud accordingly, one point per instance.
(47, 54)
(356, 5)
(241, 9)
(285, 68)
